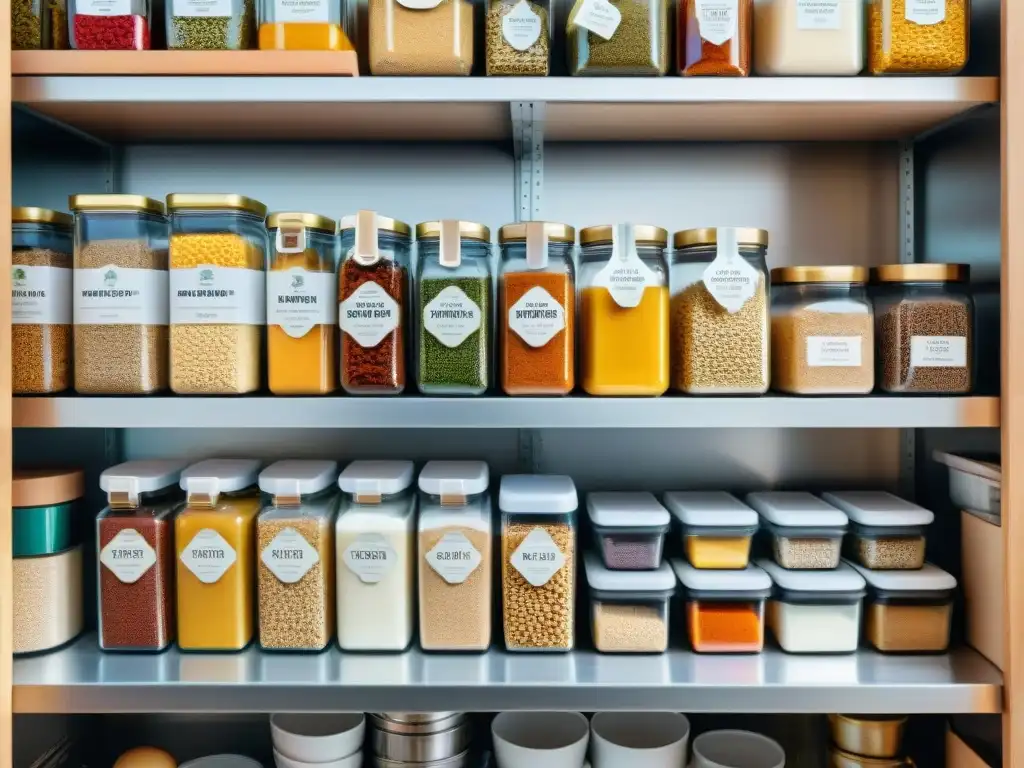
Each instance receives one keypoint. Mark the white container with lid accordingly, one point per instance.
(207, 480)
(629, 529)
(725, 608)
(807, 533)
(132, 483)
(887, 532)
(629, 609)
(717, 528)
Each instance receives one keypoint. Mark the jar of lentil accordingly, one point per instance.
(453, 307)
(39, 25)
(624, 310)
(519, 34)
(924, 328)
(715, 37)
(120, 294)
(637, 44)
(41, 262)
(218, 293)
(99, 25)
(720, 311)
(373, 291)
(302, 304)
(537, 308)
(201, 25)
(823, 331)
(908, 37)
(312, 25)
(135, 555)
(421, 37)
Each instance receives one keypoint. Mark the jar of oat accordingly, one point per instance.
(629, 529)
(421, 37)
(719, 312)
(807, 533)
(629, 609)
(519, 35)
(886, 532)
(908, 37)
(717, 528)
(455, 564)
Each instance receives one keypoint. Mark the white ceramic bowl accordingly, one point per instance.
(540, 739)
(630, 739)
(318, 738)
(736, 749)
(355, 760)
(223, 761)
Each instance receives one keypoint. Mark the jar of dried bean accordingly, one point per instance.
(201, 25)
(102, 25)
(519, 37)
(218, 293)
(41, 262)
(39, 24)
(887, 533)
(908, 37)
(715, 37)
(635, 43)
(421, 37)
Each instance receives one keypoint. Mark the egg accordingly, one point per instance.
(145, 757)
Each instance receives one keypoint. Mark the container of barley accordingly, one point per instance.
(719, 312)
(120, 286)
(635, 42)
(823, 331)
(295, 545)
(807, 533)
(456, 574)
(421, 37)
(924, 328)
(629, 609)
(218, 293)
(717, 528)
(907, 37)
(519, 35)
(41, 261)
(629, 529)
(538, 561)
(886, 532)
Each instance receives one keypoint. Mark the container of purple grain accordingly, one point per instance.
(629, 529)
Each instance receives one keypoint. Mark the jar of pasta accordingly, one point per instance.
(908, 37)
(634, 43)
(421, 37)
(312, 25)
(519, 37)
(715, 37)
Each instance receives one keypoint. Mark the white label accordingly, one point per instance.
(818, 14)
(120, 296)
(536, 317)
(369, 314)
(938, 351)
(521, 27)
(716, 20)
(370, 557)
(208, 8)
(420, 5)
(729, 278)
(538, 558)
(454, 557)
(625, 275)
(218, 295)
(302, 10)
(40, 295)
(599, 16)
(834, 351)
(289, 556)
(298, 299)
(451, 316)
(208, 556)
(926, 12)
(104, 7)
(128, 555)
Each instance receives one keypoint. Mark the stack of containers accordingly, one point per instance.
(421, 739)
(320, 740)
(867, 740)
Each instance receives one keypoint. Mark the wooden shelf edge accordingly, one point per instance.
(220, 63)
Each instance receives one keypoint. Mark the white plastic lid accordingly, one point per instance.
(796, 509)
(216, 476)
(135, 477)
(712, 509)
(750, 579)
(616, 509)
(298, 477)
(537, 494)
(930, 578)
(841, 579)
(454, 478)
(879, 509)
(376, 478)
(661, 579)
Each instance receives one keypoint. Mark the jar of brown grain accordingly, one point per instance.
(421, 37)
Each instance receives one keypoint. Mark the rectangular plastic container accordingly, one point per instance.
(983, 560)
(717, 528)
(724, 608)
(974, 484)
(629, 529)
(886, 532)
(806, 532)
(629, 609)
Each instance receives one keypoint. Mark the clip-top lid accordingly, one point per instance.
(295, 478)
(751, 579)
(454, 478)
(796, 509)
(711, 509)
(538, 494)
(206, 480)
(368, 481)
(879, 509)
(841, 579)
(133, 478)
(661, 579)
(618, 509)
(929, 578)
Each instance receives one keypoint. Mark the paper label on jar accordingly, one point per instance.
(818, 14)
(538, 558)
(208, 556)
(729, 278)
(104, 7)
(302, 10)
(926, 12)
(451, 317)
(420, 5)
(298, 299)
(454, 557)
(716, 19)
(938, 351)
(370, 557)
(120, 296)
(834, 351)
(205, 8)
(128, 555)
(625, 275)
(521, 27)
(40, 295)
(369, 314)
(289, 556)
(207, 295)
(598, 16)
(536, 317)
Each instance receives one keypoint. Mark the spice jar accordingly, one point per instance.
(218, 293)
(201, 25)
(455, 563)
(295, 542)
(41, 261)
(725, 609)
(822, 331)
(624, 310)
(886, 532)
(720, 311)
(302, 304)
(375, 545)
(924, 328)
(421, 37)
(629, 609)
(215, 536)
(312, 25)
(373, 289)
(453, 307)
(519, 35)
(808, 37)
(39, 24)
(537, 308)
(120, 294)
(538, 561)
(637, 43)
(807, 533)
(103, 25)
(629, 529)
(918, 36)
(43, 505)
(135, 555)
(717, 528)
(715, 37)
(46, 602)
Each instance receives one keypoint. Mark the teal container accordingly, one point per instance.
(43, 530)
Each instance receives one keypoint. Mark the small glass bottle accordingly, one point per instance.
(313, 25)
(715, 37)
(202, 25)
(94, 28)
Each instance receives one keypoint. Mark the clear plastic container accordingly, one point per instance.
(911, 37)
(102, 25)
(794, 37)
(202, 25)
(453, 308)
(120, 295)
(218, 256)
(623, 287)
(313, 25)
(135, 555)
(725, 609)
(519, 37)
(375, 545)
(39, 25)
(629, 609)
(715, 38)
(807, 533)
(538, 561)
(639, 44)
(886, 532)
(629, 529)
(456, 565)
(717, 528)
(421, 37)
(215, 535)
(975, 484)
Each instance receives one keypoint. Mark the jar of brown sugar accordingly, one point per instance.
(715, 37)
(421, 37)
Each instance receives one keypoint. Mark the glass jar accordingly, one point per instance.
(519, 37)
(302, 304)
(807, 533)
(537, 308)
(453, 307)
(624, 310)
(373, 291)
(39, 25)
(455, 556)
(637, 45)
(823, 331)
(215, 536)
(421, 37)
(120, 295)
(629, 529)
(218, 293)
(725, 609)
(907, 37)
(312, 25)
(135, 555)
(375, 545)
(41, 262)
(796, 37)
(886, 532)
(715, 37)
(202, 25)
(717, 528)
(924, 328)
(720, 311)
(295, 542)
(106, 25)
(629, 609)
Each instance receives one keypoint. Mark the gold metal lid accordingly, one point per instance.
(560, 233)
(709, 236)
(28, 215)
(383, 222)
(468, 229)
(644, 233)
(214, 202)
(924, 273)
(308, 220)
(837, 274)
(115, 203)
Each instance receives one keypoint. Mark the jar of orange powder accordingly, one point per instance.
(725, 609)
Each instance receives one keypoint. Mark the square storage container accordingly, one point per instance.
(638, 44)
(519, 37)
(199, 25)
(100, 25)
(806, 532)
(715, 38)
(629, 609)
(983, 569)
(724, 609)
(421, 37)
(886, 532)
(794, 37)
(313, 25)
(717, 528)
(39, 25)
(974, 483)
(913, 37)
(629, 529)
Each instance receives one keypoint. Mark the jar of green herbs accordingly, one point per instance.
(210, 25)
(453, 304)
(39, 25)
(635, 44)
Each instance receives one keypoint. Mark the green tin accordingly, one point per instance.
(42, 530)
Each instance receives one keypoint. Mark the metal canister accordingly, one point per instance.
(458, 761)
(420, 742)
(837, 758)
(868, 735)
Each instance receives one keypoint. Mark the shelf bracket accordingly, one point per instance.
(528, 149)
(908, 437)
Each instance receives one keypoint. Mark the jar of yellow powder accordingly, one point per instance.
(907, 37)
(624, 309)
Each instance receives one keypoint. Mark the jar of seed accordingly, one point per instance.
(519, 37)
(637, 45)
(421, 37)
(199, 25)
(907, 37)
(39, 25)
(719, 312)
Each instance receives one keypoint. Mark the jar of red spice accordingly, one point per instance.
(715, 37)
(135, 555)
(110, 25)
